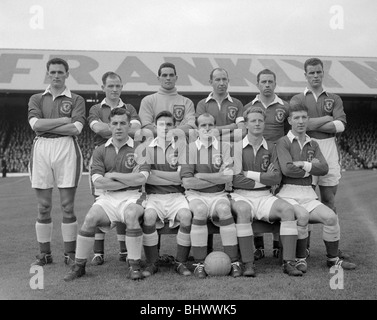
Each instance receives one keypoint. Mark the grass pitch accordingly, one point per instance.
(356, 204)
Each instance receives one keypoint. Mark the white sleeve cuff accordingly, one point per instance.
(78, 126)
(95, 177)
(135, 122)
(307, 166)
(339, 125)
(93, 123)
(32, 122)
(253, 175)
(239, 119)
(145, 174)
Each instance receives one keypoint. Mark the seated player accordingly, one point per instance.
(166, 200)
(98, 120)
(252, 199)
(300, 157)
(115, 171)
(204, 173)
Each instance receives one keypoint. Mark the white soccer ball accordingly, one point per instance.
(217, 263)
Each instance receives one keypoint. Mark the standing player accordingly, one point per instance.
(167, 98)
(276, 126)
(165, 197)
(99, 122)
(204, 177)
(57, 116)
(326, 120)
(227, 111)
(115, 171)
(300, 157)
(252, 198)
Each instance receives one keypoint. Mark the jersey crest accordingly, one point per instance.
(66, 107)
(217, 160)
(173, 161)
(310, 155)
(329, 105)
(178, 112)
(232, 113)
(130, 160)
(265, 162)
(279, 115)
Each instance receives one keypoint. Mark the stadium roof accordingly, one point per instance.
(24, 71)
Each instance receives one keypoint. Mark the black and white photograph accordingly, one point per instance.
(190, 156)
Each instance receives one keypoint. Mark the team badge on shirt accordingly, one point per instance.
(178, 112)
(130, 160)
(232, 113)
(329, 105)
(66, 107)
(217, 161)
(265, 162)
(310, 155)
(279, 115)
(173, 161)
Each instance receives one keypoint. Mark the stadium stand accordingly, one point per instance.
(85, 140)
(359, 142)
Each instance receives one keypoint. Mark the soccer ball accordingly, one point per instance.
(217, 263)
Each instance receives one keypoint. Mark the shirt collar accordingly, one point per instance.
(120, 104)
(154, 143)
(276, 100)
(66, 92)
(307, 90)
(291, 137)
(210, 96)
(215, 143)
(130, 142)
(246, 142)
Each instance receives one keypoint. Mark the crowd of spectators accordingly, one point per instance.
(358, 144)
(85, 140)
(17, 152)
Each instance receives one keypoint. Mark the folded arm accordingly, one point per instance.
(195, 183)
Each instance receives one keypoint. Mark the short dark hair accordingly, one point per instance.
(254, 110)
(110, 74)
(265, 71)
(120, 112)
(312, 62)
(166, 114)
(220, 69)
(166, 65)
(57, 61)
(293, 107)
(207, 115)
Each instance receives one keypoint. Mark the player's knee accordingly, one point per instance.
(286, 211)
(223, 210)
(132, 215)
(67, 209)
(149, 217)
(185, 217)
(331, 220)
(302, 216)
(243, 211)
(44, 209)
(200, 212)
(91, 221)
